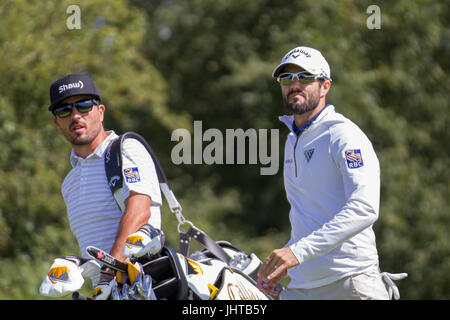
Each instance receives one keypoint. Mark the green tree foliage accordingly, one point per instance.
(160, 65)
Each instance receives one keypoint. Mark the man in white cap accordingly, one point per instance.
(332, 182)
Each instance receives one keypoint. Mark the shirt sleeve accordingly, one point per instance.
(357, 163)
(139, 173)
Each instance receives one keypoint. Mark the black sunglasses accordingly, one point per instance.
(83, 106)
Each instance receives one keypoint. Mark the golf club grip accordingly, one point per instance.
(106, 259)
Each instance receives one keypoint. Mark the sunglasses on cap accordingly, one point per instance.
(83, 106)
(287, 78)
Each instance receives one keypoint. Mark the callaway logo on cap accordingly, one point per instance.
(72, 85)
(307, 58)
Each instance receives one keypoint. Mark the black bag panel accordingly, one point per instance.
(169, 281)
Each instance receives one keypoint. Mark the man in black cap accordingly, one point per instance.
(79, 91)
(94, 215)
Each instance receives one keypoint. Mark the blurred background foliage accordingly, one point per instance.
(161, 64)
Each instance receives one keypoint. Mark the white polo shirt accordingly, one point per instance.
(93, 213)
(332, 182)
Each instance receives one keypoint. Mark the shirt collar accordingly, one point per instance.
(98, 152)
(288, 120)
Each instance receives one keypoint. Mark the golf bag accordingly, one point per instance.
(220, 263)
(203, 276)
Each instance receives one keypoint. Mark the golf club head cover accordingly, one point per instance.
(147, 239)
(104, 289)
(64, 277)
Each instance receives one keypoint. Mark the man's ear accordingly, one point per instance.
(55, 121)
(102, 109)
(325, 87)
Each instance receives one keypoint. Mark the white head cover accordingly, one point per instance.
(307, 58)
(64, 277)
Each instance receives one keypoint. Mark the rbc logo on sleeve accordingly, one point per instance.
(354, 158)
(131, 175)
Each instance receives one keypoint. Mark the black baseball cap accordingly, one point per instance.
(72, 85)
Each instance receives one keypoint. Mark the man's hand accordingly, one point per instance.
(147, 239)
(274, 269)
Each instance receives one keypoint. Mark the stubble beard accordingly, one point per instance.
(80, 140)
(310, 103)
(83, 139)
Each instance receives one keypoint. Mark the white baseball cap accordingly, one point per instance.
(307, 58)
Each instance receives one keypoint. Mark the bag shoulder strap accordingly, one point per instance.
(113, 160)
(113, 170)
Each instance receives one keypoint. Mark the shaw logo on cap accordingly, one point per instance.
(65, 87)
(354, 158)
